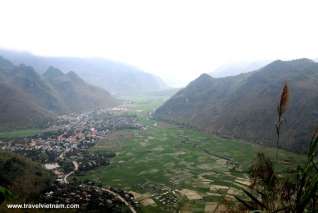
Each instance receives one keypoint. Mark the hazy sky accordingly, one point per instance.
(173, 39)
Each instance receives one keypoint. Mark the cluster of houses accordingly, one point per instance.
(63, 149)
(90, 197)
(68, 140)
(93, 160)
(48, 150)
(162, 194)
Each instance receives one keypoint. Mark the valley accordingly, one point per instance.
(134, 161)
(169, 167)
(174, 150)
(158, 107)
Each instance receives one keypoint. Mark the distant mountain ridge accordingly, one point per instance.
(76, 95)
(237, 68)
(244, 106)
(29, 99)
(117, 78)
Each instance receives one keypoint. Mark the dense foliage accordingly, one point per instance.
(22, 179)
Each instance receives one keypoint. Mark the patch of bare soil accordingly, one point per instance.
(190, 194)
(144, 199)
(210, 207)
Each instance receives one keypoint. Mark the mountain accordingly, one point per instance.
(233, 69)
(245, 106)
(75, 94)
(31, 100)
(115, 77)
(19, 108)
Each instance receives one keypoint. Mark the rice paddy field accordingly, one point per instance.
(7, 135)
(170, 168)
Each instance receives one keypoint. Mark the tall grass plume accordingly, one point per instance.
(281, 109)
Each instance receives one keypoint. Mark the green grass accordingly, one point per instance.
(18, 133)
(146, 103)
(178, 158)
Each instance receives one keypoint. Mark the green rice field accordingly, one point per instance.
(170, 168)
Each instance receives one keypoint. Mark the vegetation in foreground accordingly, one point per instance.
(295, 191)
(21, 180)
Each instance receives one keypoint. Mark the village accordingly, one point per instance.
(70, 149)
(63, 149)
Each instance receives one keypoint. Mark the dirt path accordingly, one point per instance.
(76, 166)
(131, 208)
(70, 173)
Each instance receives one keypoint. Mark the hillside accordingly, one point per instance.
(76, 95)
(15, 170)
(18, 107)
(244, 106)
(115, 77)
(31, 100)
